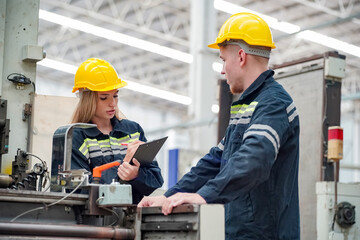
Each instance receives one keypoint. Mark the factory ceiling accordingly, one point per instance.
(167, 23)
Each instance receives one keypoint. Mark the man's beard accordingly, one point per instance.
(235, 91)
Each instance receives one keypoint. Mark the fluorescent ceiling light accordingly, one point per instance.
(291, 28)
(217, 67)
(115, 36)
(137, 87)
(273, 22)
(330, 42)
(60, 66)
(215, 108)
(155, 92)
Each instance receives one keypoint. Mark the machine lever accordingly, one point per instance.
(99, 169)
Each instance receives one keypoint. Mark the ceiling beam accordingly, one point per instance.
(117, 22)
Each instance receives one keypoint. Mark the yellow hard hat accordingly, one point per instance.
(97, 75)
(247, 27)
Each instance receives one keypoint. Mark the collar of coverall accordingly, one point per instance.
(247, 48)
(265, 76)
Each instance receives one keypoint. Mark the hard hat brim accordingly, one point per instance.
(117, 86)
(214, 45)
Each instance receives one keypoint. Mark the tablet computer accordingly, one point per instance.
(146, 152)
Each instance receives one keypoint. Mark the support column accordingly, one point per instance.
(20, 37)
(203, 80)
(356, 142)
(2, 39)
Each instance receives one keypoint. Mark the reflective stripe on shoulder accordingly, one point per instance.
(291, 111)
(127, 139)
(266, 131)
(242, 113)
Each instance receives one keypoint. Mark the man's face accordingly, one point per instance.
(232, 67)
(106, 104)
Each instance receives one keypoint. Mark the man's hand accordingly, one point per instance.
(181, 198)
(155, 201)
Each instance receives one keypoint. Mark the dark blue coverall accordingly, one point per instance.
(254, 169)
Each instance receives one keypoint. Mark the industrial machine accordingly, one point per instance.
(105, 211)
(328, 209)
(74, 208)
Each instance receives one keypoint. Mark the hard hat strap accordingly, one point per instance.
(80, 92)
(248, 48)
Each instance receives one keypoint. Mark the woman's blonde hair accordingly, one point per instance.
(86, 107)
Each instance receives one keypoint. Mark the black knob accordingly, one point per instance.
(345, 215)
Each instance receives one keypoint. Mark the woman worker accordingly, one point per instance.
(98, 84)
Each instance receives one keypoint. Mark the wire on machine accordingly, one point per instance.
(49, 205)
(47, 177)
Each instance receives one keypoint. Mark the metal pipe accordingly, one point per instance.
(27, 196)
(68, 142)
(5, 181)
(31, 229)
(350, 166)
(336, 180)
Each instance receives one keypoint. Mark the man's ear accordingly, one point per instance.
(242, 55)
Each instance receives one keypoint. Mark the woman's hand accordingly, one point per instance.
(132, 147)
(126, 171)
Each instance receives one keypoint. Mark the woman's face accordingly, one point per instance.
(106, 105)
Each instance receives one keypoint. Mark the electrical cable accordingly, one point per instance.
(19, 79)
(97, 200)
(33, 84)
(42, 161)
(333, 222)
(49, 205)
(108, 209)
(47, 177)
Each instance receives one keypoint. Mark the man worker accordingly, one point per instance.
(253, 171)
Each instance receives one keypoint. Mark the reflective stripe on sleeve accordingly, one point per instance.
(221, 145)
(266, 131)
